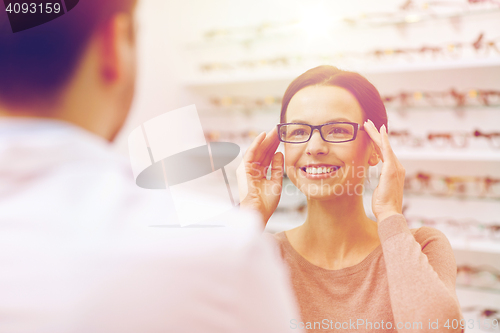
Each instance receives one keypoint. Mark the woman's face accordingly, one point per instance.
(316, 105)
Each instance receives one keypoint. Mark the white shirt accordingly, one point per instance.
(83, 249)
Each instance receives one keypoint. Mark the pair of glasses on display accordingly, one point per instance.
(245, 102)
(480, 46)
(461, 139)
(465, 186)
(481, 277)
(415, 11)
(333, 132)
(410, 4)
(493, 137)
(440, 140)
(249, 31)
(452, 51)
(450, 98)
(214, 136)
(449, 139)
(469, 229)
(283, 61)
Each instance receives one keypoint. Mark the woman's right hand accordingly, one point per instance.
(258, 192)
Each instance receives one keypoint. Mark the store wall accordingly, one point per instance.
(234, 60)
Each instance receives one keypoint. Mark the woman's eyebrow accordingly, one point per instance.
(335, 119)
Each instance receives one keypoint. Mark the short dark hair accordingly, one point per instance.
(35, 64)
(366, 94)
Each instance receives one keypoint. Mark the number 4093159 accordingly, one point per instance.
(33, 8)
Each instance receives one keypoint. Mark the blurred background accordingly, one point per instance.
(435, 63)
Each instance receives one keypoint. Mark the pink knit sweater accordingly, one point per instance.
(407, 283)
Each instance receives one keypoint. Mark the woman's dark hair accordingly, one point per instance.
(366, 94)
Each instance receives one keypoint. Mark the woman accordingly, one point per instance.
(349, 272)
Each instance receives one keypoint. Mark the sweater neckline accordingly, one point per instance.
(346, 271)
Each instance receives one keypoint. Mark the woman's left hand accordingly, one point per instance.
(388, 196)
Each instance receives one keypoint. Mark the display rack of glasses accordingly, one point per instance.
(437, 74)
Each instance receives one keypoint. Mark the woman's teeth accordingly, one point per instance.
(315, 171)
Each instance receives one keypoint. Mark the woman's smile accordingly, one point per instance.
(319, 172)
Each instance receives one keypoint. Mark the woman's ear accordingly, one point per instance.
(374, 158)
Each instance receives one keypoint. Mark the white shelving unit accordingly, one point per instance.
(469, 72)
(475, 245)
(285, 76)
(481, 156)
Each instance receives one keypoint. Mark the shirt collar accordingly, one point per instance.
(23, 125)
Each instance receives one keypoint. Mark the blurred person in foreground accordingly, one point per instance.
(76, 253)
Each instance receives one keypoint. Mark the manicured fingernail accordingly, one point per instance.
(383, 127)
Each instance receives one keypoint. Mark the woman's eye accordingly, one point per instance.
(338, 130)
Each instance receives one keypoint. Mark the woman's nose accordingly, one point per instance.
(316, 145)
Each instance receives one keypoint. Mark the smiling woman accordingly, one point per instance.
(345, 267)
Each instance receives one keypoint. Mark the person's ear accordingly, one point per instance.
(374, 159)
(117, 45)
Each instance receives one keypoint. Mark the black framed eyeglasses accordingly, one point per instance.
(334, 132)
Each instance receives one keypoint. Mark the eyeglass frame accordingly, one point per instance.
(318, 127)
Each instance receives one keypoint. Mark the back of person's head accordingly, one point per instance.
(365, 93)
(37, 63)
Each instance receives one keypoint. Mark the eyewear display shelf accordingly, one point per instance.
(476, 158)
(277, 79)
